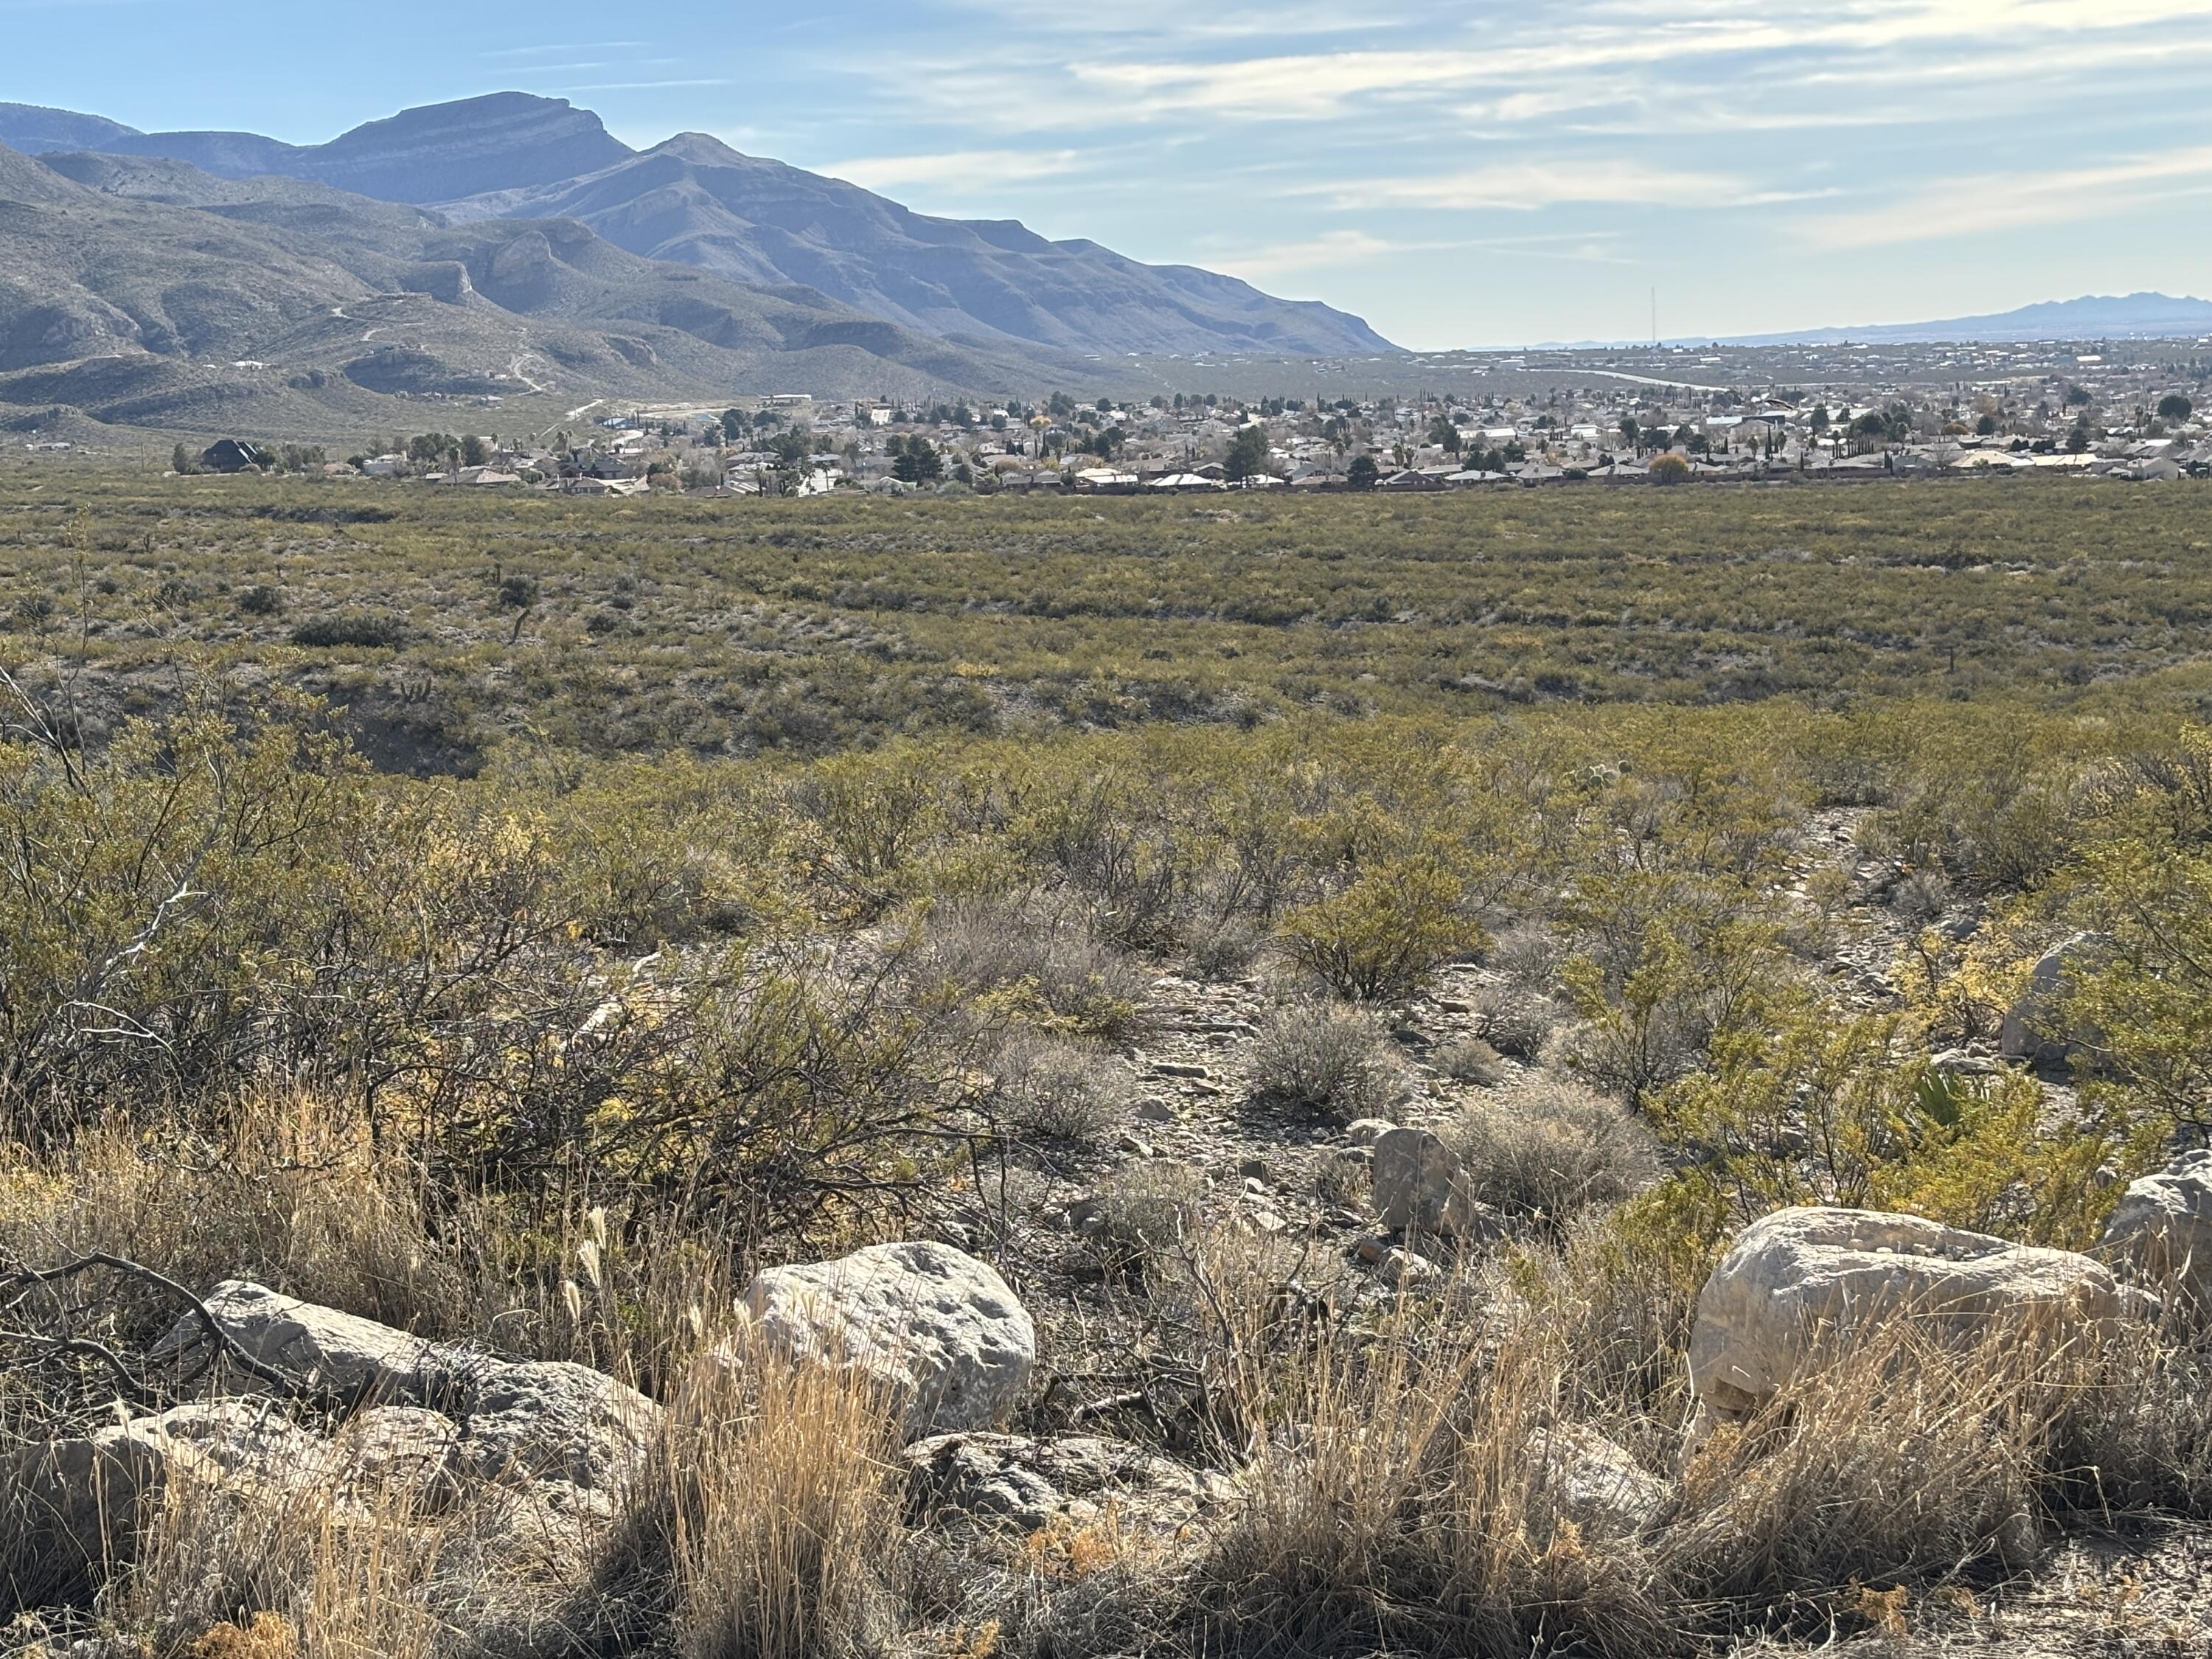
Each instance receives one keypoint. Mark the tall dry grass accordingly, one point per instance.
(765, 1525)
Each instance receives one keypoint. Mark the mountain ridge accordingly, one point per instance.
(693, 200)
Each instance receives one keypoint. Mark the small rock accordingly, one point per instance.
(1131, 1145)
(1366, 1131)
(1256, 1169)
(1155, 1111)
(1420, 1186)
(1179, 1068)
(1596, 1484)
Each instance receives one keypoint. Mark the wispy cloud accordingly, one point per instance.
(566, 48)
(1981, 205)
(956, 166)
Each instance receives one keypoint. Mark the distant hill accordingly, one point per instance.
(148, 292)
(2092, 317)
(498, 142)
(694, 201)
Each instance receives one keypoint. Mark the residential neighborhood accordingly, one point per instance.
(1664, 416)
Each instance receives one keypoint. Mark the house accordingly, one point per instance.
(232, 455)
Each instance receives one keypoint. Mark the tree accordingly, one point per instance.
(2173, 407)
(1444, 433)
(1630, 432)
(1247, 453)
(1363, 473)
(1669, 469)
(735, 424)
(792, 447)
(181, 461)
(473, 452)
(916, 461)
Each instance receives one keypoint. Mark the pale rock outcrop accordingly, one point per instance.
(1419, 1187)
(943, 1334)
(551, 1420)
(83, 1501)
(1021, 1482)
(2033, 1026)
(341, 1352)
(1366, 1131)
(1801, 1282)
(2163, 1225)
(516, 1421)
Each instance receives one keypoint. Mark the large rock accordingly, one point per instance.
(2034, 1026)
(544, 1422)
(340, 1352)
(71, 1508)
(1419, 1187)
(1016, 1482)
(551, 1420)
(1800, 1283)
(2163, 1224)
(941, 1331)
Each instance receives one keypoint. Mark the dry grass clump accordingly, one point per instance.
(1028, 948)
(1142, 1212)
(763, 1525)
(1472, 1061)
(311, 1563)
(1515, 1020)
(1550, 1149)
(1051, 1088)
(1328, 1059)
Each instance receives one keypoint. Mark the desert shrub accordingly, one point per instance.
(260, 600)
(1051, 1088)
(1921, 896)
(1326, 1059)
(1142, 1212)
(1549, 1150)
(1470, 1060)
(1030, 954)
(1382, 935)
(361, 629)
(1527, 957)
(1514, 1021)
(1224, 948)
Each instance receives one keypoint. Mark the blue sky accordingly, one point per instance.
(1459, 174)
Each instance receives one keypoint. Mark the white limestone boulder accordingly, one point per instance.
(327, 1349)
(551, 1420)
(1802, 1283)
(949, 1342)
(2163, 1226)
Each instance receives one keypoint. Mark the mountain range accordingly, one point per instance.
(692, 200)
(2092, 317)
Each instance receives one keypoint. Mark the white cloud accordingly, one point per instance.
(955, 166)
